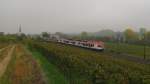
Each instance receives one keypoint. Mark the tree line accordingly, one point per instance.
(127, 36)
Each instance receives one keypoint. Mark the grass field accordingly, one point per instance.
(135, 50)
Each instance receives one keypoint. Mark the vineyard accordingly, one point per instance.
(82, 66)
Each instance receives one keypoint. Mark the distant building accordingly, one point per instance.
(120, 37)
(1, 33)
(54, 36)
(50, 37)
(142, 33)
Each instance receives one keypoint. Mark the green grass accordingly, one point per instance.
(135, 50)
(52, 73)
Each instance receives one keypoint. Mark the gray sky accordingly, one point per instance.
(73, 15)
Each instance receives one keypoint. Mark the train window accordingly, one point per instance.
(73, 42)
(99, 46)
(92, 45)
(84, 44)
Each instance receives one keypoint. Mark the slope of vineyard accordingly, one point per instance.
(82, 66)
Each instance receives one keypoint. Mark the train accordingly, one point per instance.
(89, 44)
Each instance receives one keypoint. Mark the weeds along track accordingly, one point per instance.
(23, 69)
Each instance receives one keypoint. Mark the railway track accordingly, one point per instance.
(132, 58)
(114, 55)
(123, 56)
(128, 57)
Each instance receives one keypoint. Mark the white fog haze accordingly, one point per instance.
(72, 16)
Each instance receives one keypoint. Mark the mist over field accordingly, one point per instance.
(73, 16)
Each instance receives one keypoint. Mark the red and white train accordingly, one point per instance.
(90, 44)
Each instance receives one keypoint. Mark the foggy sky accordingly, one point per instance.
(73, 16)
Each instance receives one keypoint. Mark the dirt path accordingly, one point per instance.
(25, 69)
(4, 63)
(4, 48)
(22, 68)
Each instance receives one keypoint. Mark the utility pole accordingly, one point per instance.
(144, 46)
(118, 41)
(144, 39)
